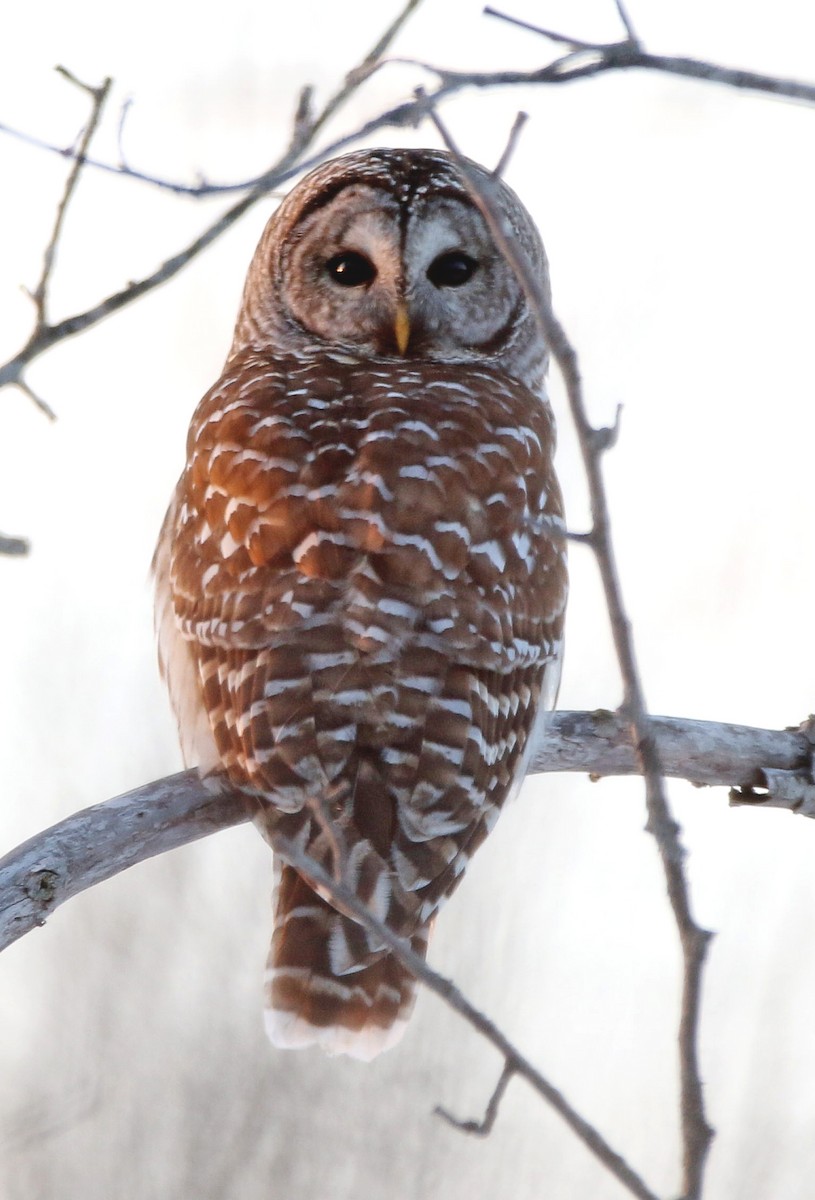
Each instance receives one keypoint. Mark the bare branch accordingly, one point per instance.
(99, 842)
(704, 753)
(44, 337)
(483, 1127)
(39, 296)
(38, 402)
(585, 59)
(512, 141)
(696, 1133)
(627, 24)
(290, 164)
(561, 39)
(98, 95)
(447, 991)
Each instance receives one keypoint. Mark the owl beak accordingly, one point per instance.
(401, 327)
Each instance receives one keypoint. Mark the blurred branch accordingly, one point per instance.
(13, 545)
(99, 842)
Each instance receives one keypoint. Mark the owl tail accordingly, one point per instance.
(318, 992)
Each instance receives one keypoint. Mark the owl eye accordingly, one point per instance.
(351, 269)
(451, 269)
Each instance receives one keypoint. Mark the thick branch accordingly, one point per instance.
(99, 842)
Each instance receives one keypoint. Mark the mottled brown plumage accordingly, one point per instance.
(361, 582)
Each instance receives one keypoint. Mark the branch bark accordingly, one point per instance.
(99, 842)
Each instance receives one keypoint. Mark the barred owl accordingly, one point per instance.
(361, 577)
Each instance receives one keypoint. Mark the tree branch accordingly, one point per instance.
(583, 60)
(99, 842)
(515, 1062)
(696, 1133)
(305, 131)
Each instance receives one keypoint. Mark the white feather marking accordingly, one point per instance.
(228, 546)
(493, 551)
(415, 426)
(315, 538)
(396, 608)
(290, 1031)
(454, 527)
(415, 471)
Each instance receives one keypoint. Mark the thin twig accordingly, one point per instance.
(99, 95)
(120, 130)
(40, 293)
(45, 335)
(37, 400)
(483, 1127)
(627, 23)
(560, 39)
(615, 56)
(618, 56)
(696, 1132)
(447, 991)
(512, 141)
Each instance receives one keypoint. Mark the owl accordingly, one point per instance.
(361, 577)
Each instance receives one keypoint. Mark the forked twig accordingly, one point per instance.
(306, 128)
(516, 1063)
(98, 96)
(483, 1127)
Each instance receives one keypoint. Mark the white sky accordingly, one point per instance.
(678, 220)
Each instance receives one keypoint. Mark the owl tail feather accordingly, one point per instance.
(318, 992)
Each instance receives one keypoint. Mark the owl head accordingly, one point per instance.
(384, 253)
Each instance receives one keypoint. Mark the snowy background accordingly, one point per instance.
(678, 221)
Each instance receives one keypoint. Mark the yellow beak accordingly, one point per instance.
(401, 327)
